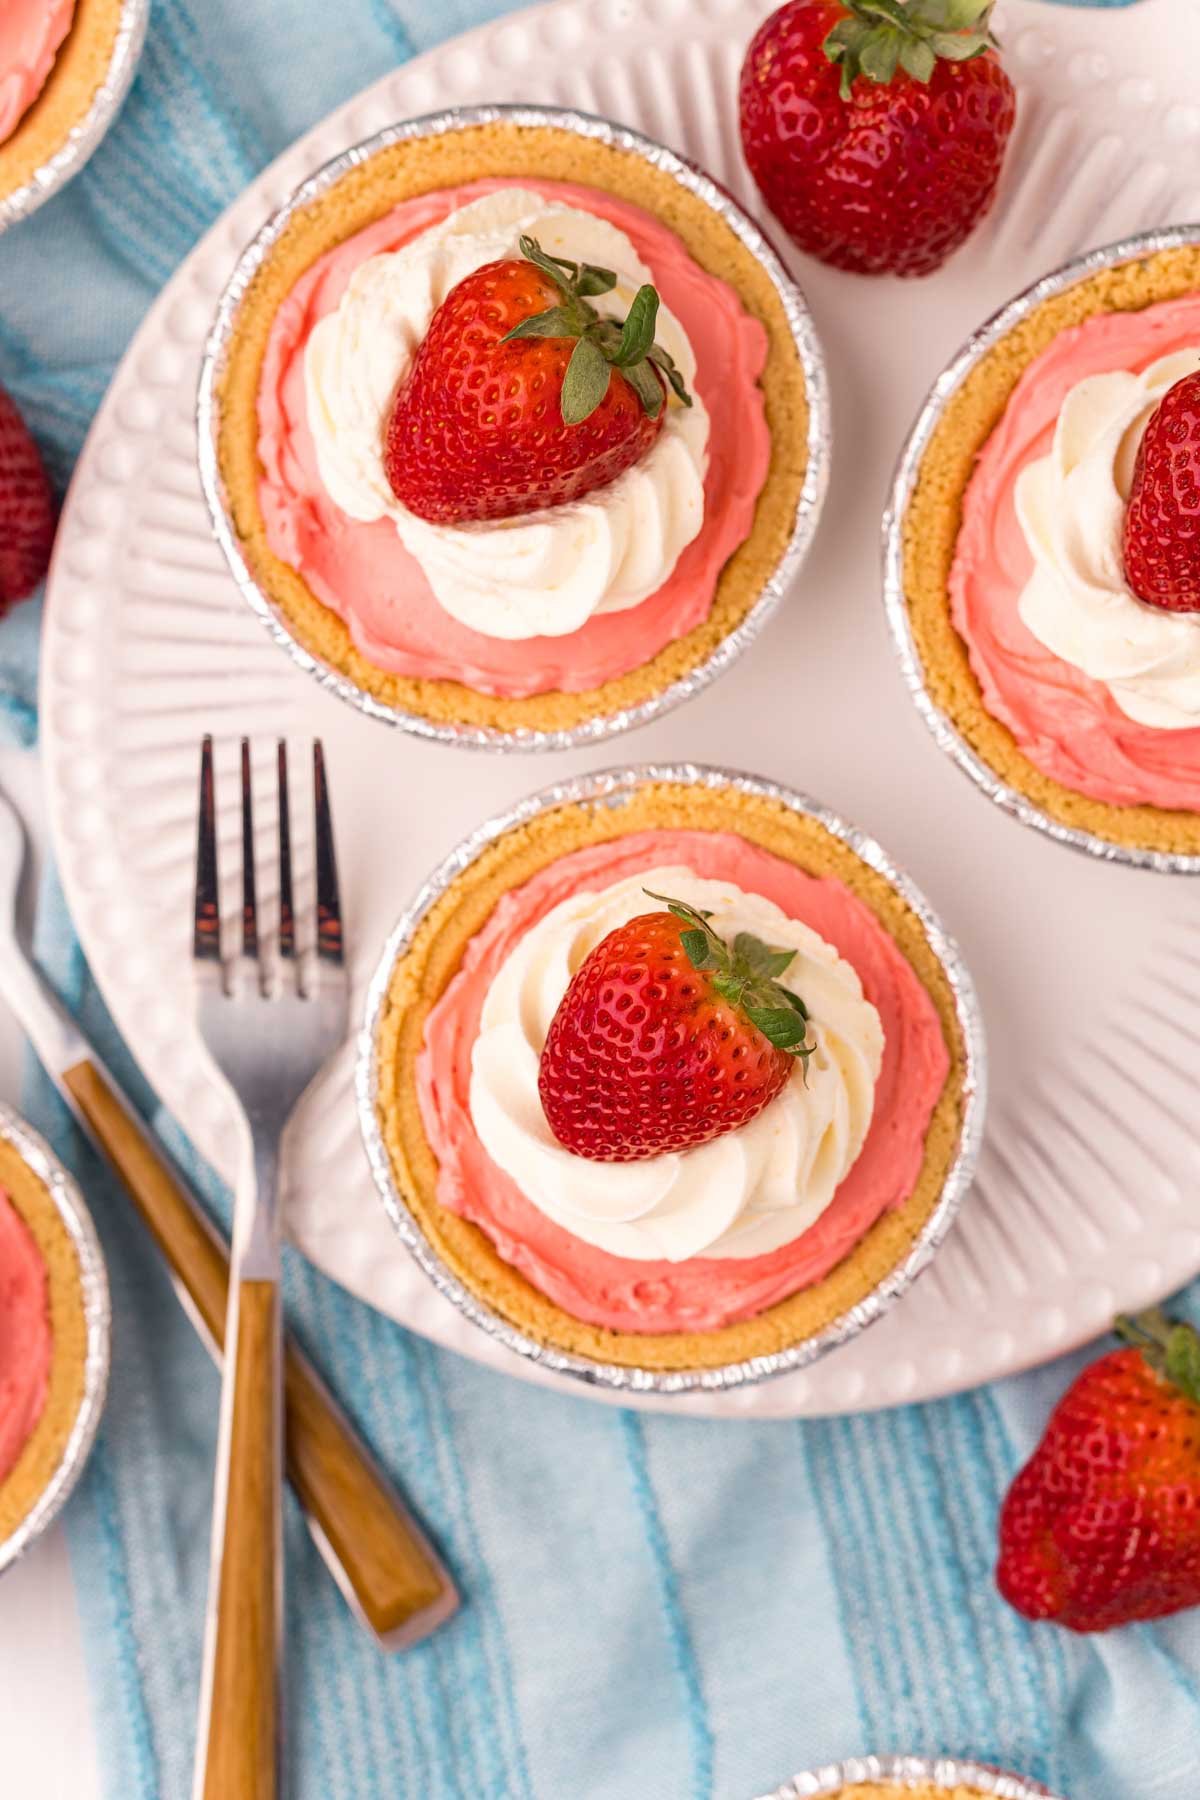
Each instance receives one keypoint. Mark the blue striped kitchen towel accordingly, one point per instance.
(657, 1608)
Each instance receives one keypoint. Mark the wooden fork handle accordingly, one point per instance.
(241, 1758)
(376, 1550)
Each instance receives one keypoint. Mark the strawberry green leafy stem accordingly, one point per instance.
(603, 344)
(877, 37)
(1172, 1349)
(746, 976)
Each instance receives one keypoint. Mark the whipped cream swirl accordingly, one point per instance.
(739, 1195)
(541, 574)
(1071, 508)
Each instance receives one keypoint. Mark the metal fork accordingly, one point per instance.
(270, 1030)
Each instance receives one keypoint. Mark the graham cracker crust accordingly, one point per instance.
(911, 1790)
(79, 69)
(31, 1474)
(934, 516)
(424, 165)
(423, 973)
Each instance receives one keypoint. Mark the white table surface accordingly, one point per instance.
(49, 1750)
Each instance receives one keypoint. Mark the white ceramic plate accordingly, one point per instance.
(1089, 975)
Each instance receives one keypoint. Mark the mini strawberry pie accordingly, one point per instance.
(54, 57)
(1051, 554)
(511, 429)
(909, 1786)
(671, 1083)
(43, 1339)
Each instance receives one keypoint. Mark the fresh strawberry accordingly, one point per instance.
(26, 509)
(1102, 1526)
(667, 1037)
(1161, 541)
(522, 396)
(876, 130)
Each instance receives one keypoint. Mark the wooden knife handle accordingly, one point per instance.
(377, 1550)
(241, 1756)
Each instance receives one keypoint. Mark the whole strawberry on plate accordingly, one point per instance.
(26, 509)
(668, 1037)
(523, 395)
(1102, 1526)
(1161, 542)
(876, 130)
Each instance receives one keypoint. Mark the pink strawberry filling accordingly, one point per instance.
(706, 1292)
(1067, 725)
(25, 1340)
(30, 34)
(363, 573)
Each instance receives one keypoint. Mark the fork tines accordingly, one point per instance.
(329, 907)
(206, 938)
(287, 914)
(206, 932)
(249, 892)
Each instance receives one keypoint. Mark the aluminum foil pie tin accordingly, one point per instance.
(613, 788)
(84, 136)
(943, 727)
(906, 1772)
(93, 1280)
(808, 506)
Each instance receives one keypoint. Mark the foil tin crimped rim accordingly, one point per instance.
(1011, 800)
(612, 787)
(943, 1772)
(93, 1281)
(87, 132)
(804, 335)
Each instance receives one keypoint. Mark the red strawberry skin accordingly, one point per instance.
(1161, 542)
(643, 1057)
(26, 509)
(476, 430)
(889, 181)
(1102, 1526)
